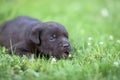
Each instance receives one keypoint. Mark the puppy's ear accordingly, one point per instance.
(36, 33)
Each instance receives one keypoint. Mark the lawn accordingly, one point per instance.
(94, 34)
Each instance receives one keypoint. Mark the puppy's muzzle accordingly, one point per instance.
(66, 50)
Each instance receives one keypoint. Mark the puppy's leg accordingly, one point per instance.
(19, 49)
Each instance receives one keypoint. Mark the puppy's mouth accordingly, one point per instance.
(65, 54)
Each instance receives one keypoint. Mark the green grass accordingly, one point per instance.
(94, 33)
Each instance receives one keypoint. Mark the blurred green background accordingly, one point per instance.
(94, 32)
(83, 18)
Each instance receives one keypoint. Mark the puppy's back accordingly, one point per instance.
(14, 30)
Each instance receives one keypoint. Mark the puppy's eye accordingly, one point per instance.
(52, 37)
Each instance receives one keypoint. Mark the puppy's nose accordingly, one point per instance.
(66, 45)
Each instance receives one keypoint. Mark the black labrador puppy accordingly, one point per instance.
(26, 35)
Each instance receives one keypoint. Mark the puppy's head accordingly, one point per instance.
(51, 39)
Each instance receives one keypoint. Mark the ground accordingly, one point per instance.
(94, 34)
